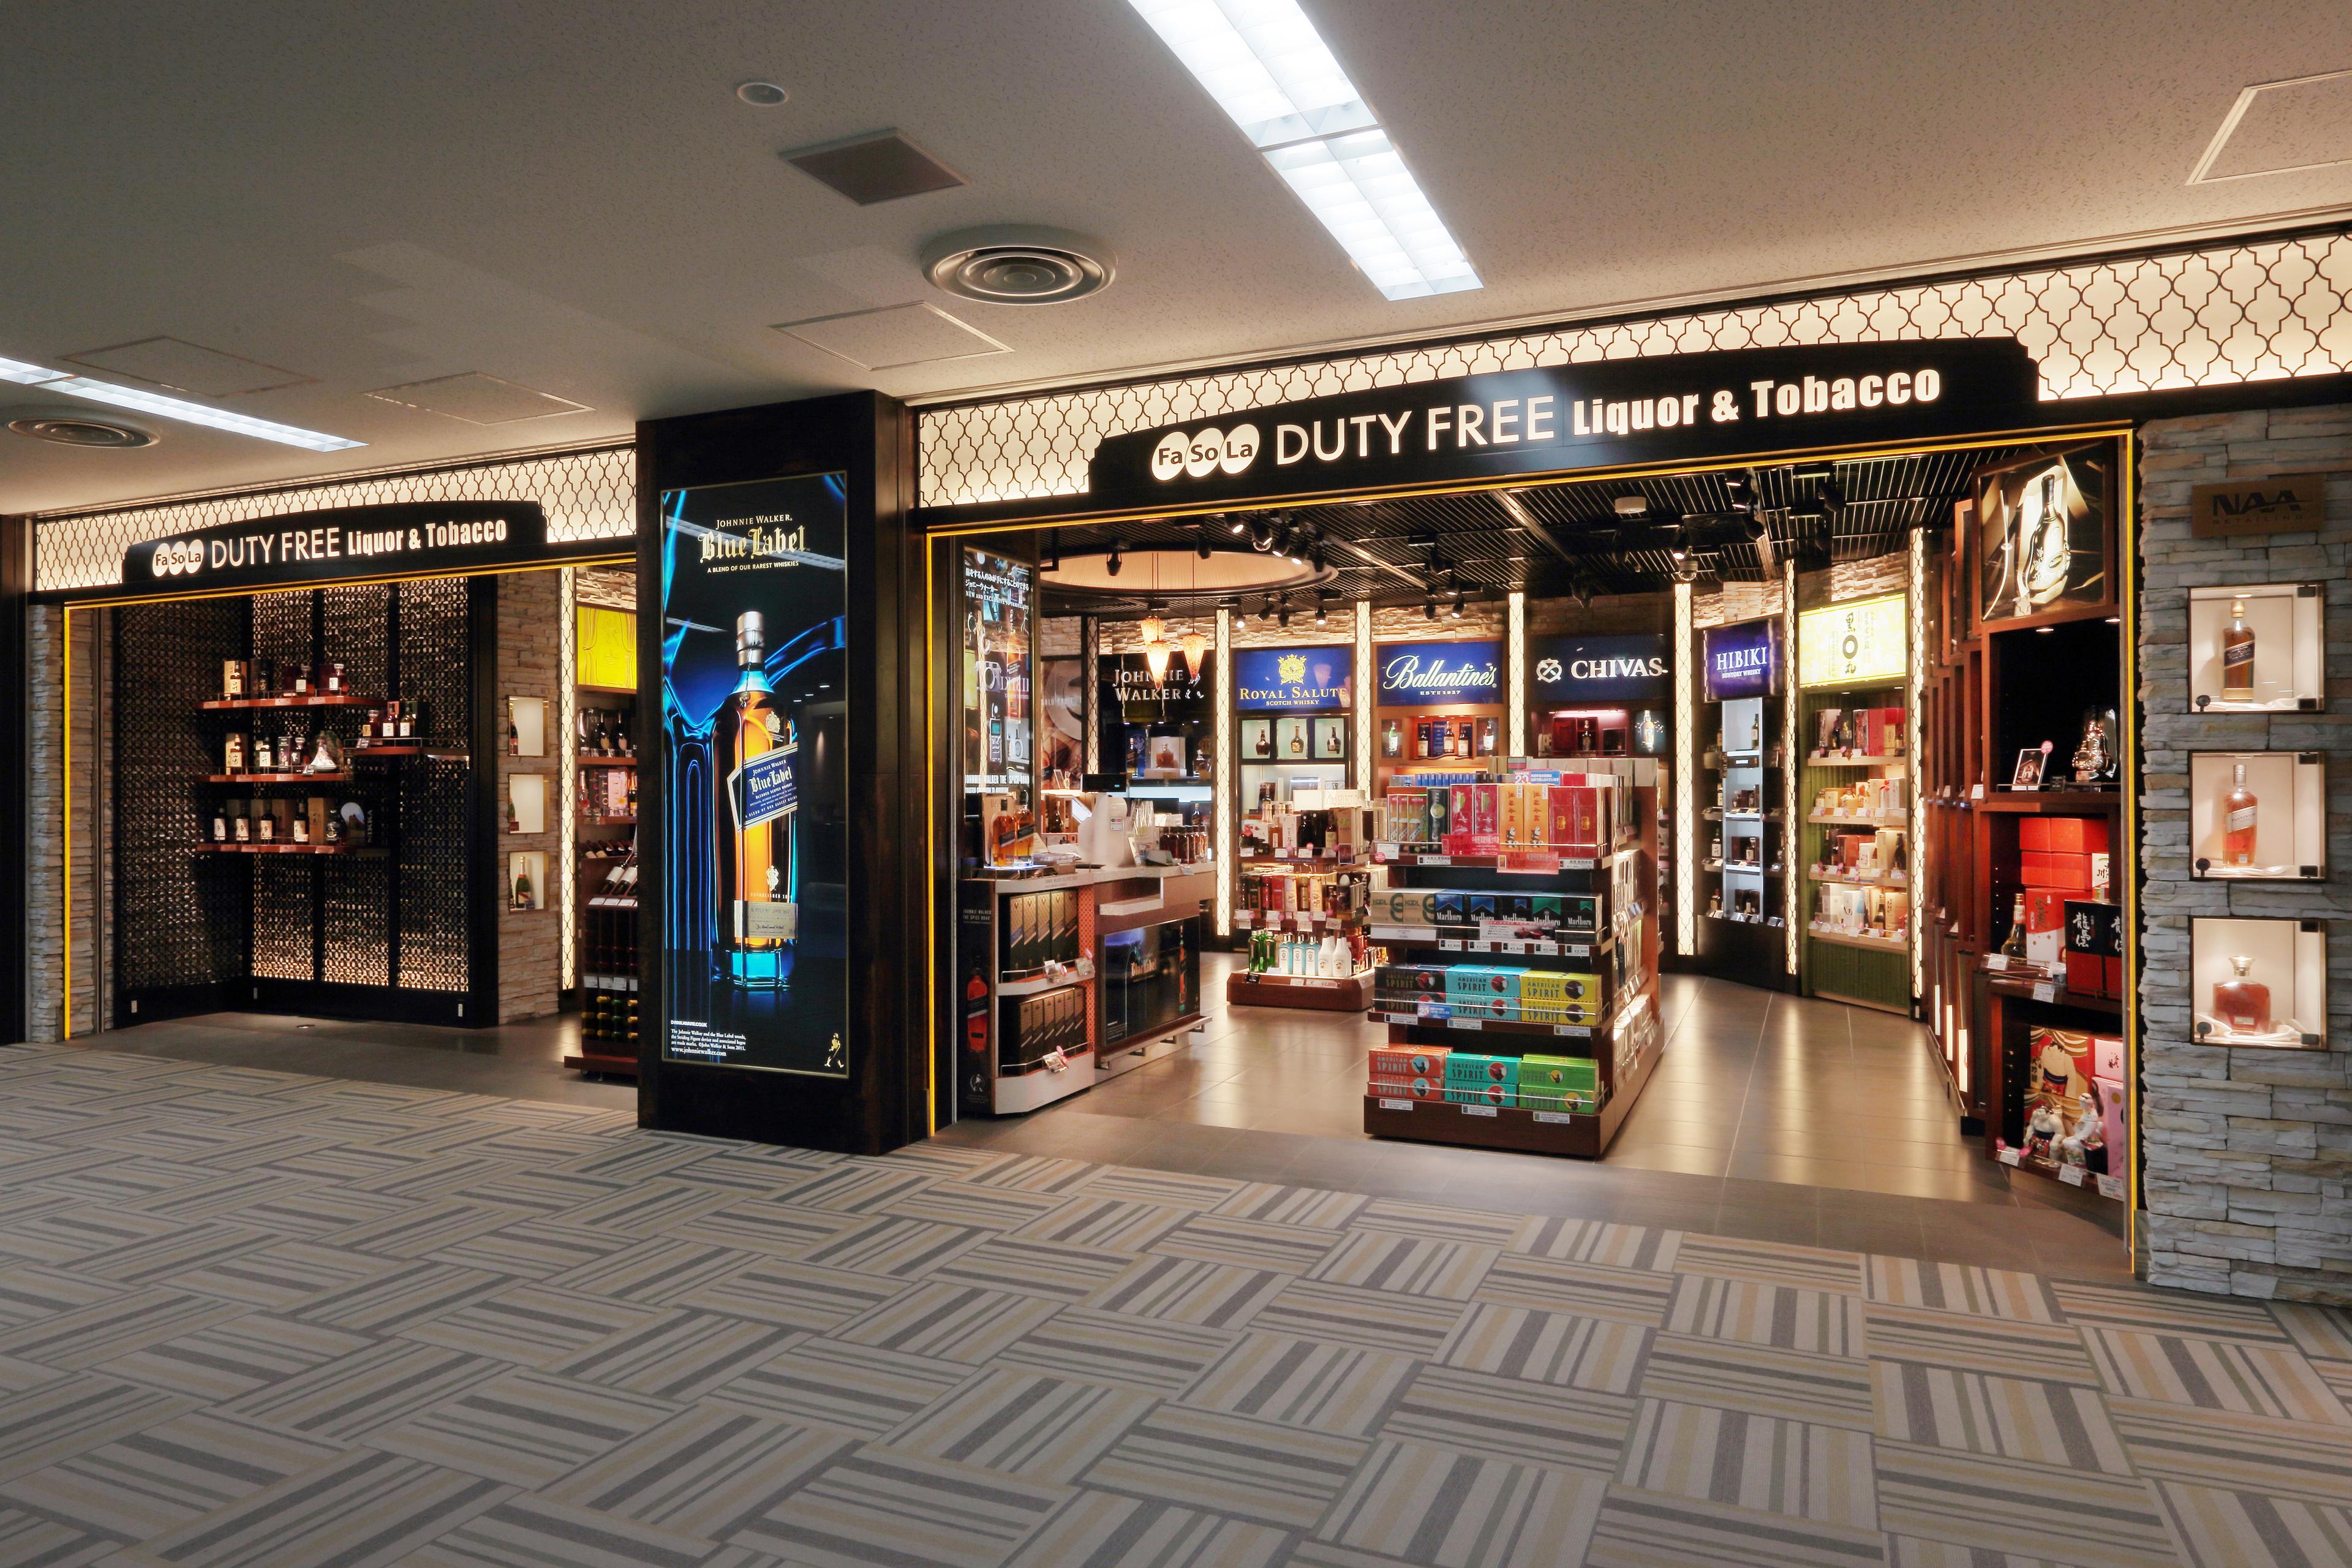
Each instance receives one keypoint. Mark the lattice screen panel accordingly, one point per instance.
(283, 936)
(2210, 315)
(434, 832)
(185, 910)
(352, 625)
(356, 903)
(587, 495)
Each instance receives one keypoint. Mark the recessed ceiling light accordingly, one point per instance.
(762, 94)
(153, 402)
(1272, 74)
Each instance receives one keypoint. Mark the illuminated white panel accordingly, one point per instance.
(1686, 764)
(1226, 841)
(1516, 656)
(1365, 694)
(1791, 810)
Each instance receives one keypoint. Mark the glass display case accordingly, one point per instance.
(1742, 852)
(2257, 647)
(999, 748)
(2258, 816)
(2258, 982)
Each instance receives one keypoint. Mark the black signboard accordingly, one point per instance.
(1623, 668)
(396, 539)
(1564, 417)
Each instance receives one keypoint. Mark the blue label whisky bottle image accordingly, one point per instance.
(756, 747)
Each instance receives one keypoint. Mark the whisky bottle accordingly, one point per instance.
(2238, 656)
(758, 794)
(2240, 1004)
(523, 889)
(2237, 820)
(1298, 738)
(2013, 946)
(514, 736)
(233, 759)
(264, 758)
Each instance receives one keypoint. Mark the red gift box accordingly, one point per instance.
(2064, 834)
(2086, 974)
(2061, 872)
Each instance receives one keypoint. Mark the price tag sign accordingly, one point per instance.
(1450, 944)
(2071, 1175)
(1396, 1105)
(1468, 1023)
(2046, 990)
(2008, 1156)
(1578, 1031)
(1554, 1118)
(2111, 1188)
(1996, 961)
(1478, 1110)
(1437, 860)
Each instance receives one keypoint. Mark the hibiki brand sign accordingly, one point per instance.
(1630, 669)
(1293, 678)
(1559, 418)
(341, 543)
(1741, 660)
(1440, 672)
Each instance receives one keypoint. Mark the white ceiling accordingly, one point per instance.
(570, 197)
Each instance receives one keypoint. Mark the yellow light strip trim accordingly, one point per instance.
(2127, 710)
(567, 714)
(930, 832)
(1225, 843)
(1685, 781)
(1516, 656)
(66, 1001)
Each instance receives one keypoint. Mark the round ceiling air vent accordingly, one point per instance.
(1019, 265)
(83, 430)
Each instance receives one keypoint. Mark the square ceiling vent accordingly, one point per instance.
(880, 166)
(188, 367)
(2281, 128)
(477, 399)
(894, 336)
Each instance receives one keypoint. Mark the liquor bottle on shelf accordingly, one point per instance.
(233, 754)
(2013, 947)
(2240, 1004)
(754, 816)
(333, 680)
(300, 682)
(220, 823)
(265, 759)
(514, 735)
(2238, 827)
(233, 675)
(2238, 656)
(522, 897)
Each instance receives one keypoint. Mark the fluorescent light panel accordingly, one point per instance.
(1271, 72)
(155, 403)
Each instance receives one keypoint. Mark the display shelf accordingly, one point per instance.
(1815, 874)
(1289, 919)
(1627, 1011)
(314, 700)
(1850, 760)
(2022, 988)
(606, 690)
(1308, 859)
(386, 754)
(277, 778)
(1852, 939)
(1038, 984)
(1329, 993)
(1532, 947)
(289, 849)
(594, 760)
(1517, 862)
(2062, 803)
(587, 820)
(1883, 819)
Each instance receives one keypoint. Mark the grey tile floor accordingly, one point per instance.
(1772, 1118)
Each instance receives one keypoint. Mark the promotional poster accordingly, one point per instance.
(2043, 534)
(754, 689)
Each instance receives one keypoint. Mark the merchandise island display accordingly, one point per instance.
(1558, 871)
(1303, 897)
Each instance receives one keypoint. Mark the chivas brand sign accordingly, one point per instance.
(1565, 417)
(1630, 669)
(339, 543)
(1441, 672)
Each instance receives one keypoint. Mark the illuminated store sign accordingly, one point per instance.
(1440, 672)
(338, 542)
(1600, 669)
(1293, 678)
(1846, 645)
(1561, 418)
(1741, 660)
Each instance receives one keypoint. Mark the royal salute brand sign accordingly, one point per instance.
(1562, 418)
(338, 543)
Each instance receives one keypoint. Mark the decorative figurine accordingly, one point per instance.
(2092, 760)
(2043, 1131)
(2088, 1137)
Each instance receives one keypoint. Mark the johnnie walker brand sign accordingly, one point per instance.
(1562, 418)
(353, 541)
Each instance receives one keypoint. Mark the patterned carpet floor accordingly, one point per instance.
(254, 1318)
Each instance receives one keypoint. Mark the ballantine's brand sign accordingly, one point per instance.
(339, 543)
(1441, 672)
(1565, 417)
(1626, 669)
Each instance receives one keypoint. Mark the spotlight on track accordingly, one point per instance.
(1283, 617)
(1115, 560)
(1429, 609)
(1200, 546)
(1236, 525)
(1322, 611)
(1634, 505)
(1260, 535)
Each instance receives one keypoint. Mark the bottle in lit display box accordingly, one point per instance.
(2240, 1004)
(2238, 656)
(757, 795)
(2238, 822)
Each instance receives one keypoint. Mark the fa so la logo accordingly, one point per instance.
(1205, 452)
(177, 557)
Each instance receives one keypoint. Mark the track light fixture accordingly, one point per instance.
(1634, 505)
(1455, 613)
(1115, 560)
(1200, 545)
(1429, 610)
(1282, 617)
(1322, 611)
(1260, 535)
(1236, 525)
(1052, 562)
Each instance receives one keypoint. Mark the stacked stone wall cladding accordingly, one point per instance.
(2247, 1153)
(531, 664)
